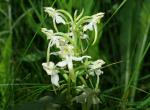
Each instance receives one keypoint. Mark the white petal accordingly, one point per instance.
(99, 14)
(91, 73)
(98, 72)
(54, 53)
(88, 26)
(49, 72)
(50, 11)
(61, 64)
(97, 17)
(80, 58)
(55, 79)
(77, 58)
(48, 33)
(101, 61)
(85, 36)
(96, 64)
(49, 67)
(59, 19)
(70, 65)
(86, 56)
(43, 30)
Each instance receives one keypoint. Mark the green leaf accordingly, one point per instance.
(32, 57)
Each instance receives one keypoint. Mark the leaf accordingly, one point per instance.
(44, 103)
(32, 57)
(5, 71)
(89, 96)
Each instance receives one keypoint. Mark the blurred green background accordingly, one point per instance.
(123, 42)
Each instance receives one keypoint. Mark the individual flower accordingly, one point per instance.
(57, 17)
(48, 33)
(69, 61)
(95, 67)
(93, 22)
(87, 95)
(54, 38)
(97, 64)
(92, 25)
(66, 50)
(67, 53)
(50, 69)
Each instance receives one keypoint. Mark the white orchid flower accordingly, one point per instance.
(66, 50)
(50, 69)
(97, 64)
(93, 22)
(54, 39)
(57, 17)
(58, 41)
(69, 61)
(48, 33)
(67, 53)
(95, 67)
(84, 36)
(89, 26)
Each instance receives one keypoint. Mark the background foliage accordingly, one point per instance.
(124, 38)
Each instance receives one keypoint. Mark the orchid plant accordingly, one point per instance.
(74, 68)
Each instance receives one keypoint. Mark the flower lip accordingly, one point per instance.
(55, 79)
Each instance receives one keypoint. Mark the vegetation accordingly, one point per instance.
(123, 43)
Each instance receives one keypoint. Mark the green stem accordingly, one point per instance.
(97, 83)
(55, 27)
(48, 52)
(91, 83)
(72, 76)
(66, 13)
(84, 106)
(83, 80)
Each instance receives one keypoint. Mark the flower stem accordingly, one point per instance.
(84, 106)
(97, 83)
(83, 80)
(48, 52)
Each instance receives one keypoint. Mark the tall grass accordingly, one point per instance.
(124, 38)
(135, 20)
(6, 76)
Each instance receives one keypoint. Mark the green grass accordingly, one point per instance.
(135, 41)
(124, 38)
